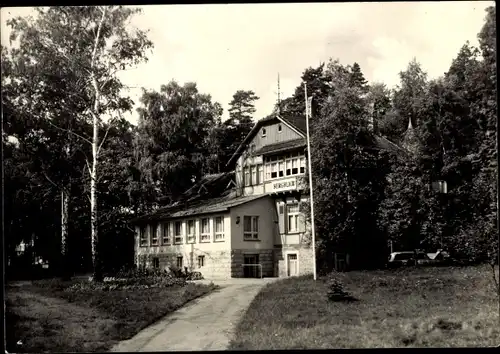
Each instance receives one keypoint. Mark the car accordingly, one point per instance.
(407, 258)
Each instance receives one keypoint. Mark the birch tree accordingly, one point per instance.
(91, 44)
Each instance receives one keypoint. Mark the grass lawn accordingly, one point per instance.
(422, 307)
(46, 318)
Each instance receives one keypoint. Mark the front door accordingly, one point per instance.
(293, 267)
(251, 269)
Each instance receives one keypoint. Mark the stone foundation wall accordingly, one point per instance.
(266, 259)
(217, 264)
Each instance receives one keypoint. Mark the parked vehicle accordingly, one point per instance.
(407, 258)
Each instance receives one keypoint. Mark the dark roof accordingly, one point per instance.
(298, 122)
(286, 145)
(210, 185)
(214, 205)
(386, 144)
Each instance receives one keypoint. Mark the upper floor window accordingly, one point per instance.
(287, 165)
(260, 174)
(250, 227)
(143, 236)
(190, 231)
(178, 232)
(263, 132)
(293, 217)
(253, 174)
(279, 128)
(154, 235)
(246, 176)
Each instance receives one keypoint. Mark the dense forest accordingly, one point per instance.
(75, 170)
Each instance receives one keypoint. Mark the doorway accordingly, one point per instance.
(251, 266)
(292, 265)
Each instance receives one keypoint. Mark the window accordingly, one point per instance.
(279, 128)
(166, 234)
(179, 262)
(281, 169)
(251, 227)
(293, 217)
(246, 177)
(205, 230)
(143, 236)
(274, 170)
(201, 261)
(154, 235)
(263, 132)
(260, 175)
(295, 166)
(253, 170)
(191, 236)
(268, 172)
(219, 228)
(178, 232)
(156, 263)
(286, 165)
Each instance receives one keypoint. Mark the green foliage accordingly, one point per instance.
(173, 138)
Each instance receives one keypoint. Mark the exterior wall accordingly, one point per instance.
(304, 255)
(263, 246)
(217, 254)
(265, 210)
(273, 136)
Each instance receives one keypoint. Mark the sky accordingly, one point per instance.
(225, 48)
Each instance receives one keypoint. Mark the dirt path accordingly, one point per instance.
(205, 324)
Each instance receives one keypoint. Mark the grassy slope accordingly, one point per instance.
(428, 307)
(46, 318)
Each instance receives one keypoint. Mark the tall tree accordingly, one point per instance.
(346, 169)
(357, 79)
(65, 34)
(171, 142)
(408, 97)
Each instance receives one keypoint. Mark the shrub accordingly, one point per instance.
(336, 291)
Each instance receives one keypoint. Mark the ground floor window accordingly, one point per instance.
(205, 230)
(201, 261)
(219, 228)
(251, 227)
(143, 236)
(178, 232)
(179, 262)
(154, 235)
(156, 263)
(191, 236)
(166, 234)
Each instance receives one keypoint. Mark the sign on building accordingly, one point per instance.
(284, 185)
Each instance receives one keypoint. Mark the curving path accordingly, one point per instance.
(204, 324)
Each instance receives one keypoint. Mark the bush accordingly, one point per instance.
(336, 291)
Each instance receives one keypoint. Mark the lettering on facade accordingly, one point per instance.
(285, 185)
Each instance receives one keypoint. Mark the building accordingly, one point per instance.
(246, 223)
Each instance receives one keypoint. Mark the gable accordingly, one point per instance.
(275, 133)
(292, 128)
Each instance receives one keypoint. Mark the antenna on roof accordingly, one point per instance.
(279, 96)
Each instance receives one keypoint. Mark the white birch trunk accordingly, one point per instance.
(96, 262)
